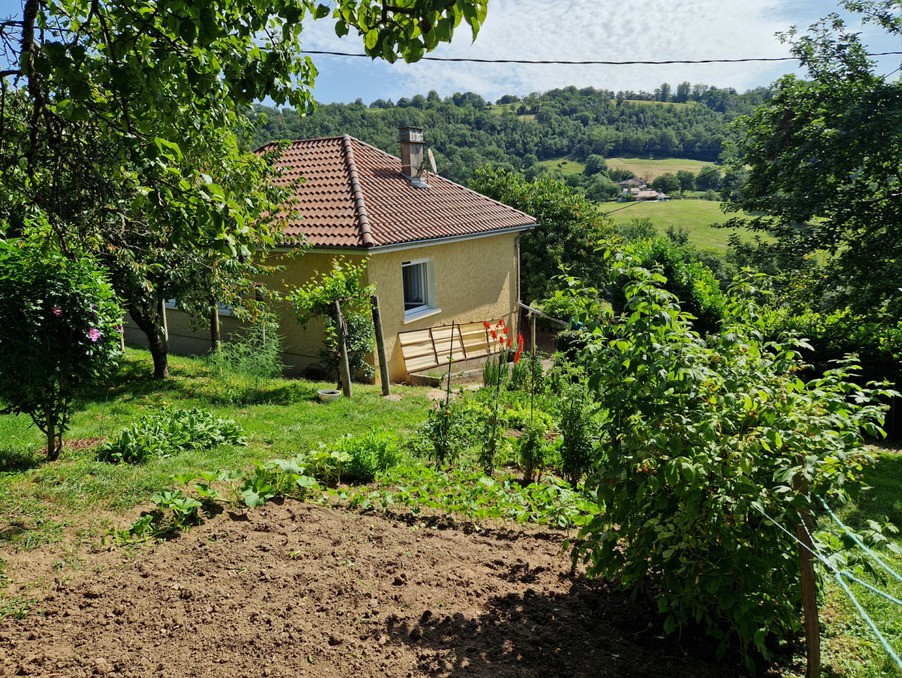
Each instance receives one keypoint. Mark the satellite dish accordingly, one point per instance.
(431, 160)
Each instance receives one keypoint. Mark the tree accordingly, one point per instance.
(682, 92)
(686, 179)
(569, 228)
(666, 183)
(122, 124)
(59, 332)
(822, 158)
(595, 164)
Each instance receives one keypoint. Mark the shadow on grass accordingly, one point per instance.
(134, 379)
(884, 499)
(17, 460)
(591, 630)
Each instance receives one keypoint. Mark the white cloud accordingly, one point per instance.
(592, 30)
(581, 30)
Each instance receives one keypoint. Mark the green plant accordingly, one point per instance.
(532, 448)
(706, 440)
(316, 299)
(579, 446)
(59, 332)
(244, 362)
(183, 508)
(168, 433)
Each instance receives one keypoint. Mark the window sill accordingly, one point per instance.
(419, 313)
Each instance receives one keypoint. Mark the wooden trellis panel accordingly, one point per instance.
(425, 349)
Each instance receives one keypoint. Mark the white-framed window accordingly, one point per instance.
(419, 288)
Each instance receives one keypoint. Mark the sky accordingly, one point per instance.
(581, 30)
(587, 30)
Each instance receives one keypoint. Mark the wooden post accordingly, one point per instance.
(343, 365)
(809, 587)
(532, 330)
(380, 345)
(215, 336)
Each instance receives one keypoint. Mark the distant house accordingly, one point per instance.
(437, 252)
(647, 195)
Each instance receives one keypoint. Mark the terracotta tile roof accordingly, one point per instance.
(354, 195)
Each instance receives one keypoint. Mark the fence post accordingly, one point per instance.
(343, 365)
(809, 586)
(380, 345)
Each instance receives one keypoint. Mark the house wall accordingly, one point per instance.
(474, 280)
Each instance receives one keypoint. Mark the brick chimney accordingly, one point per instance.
(413, 149)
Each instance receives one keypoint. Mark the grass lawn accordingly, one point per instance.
(44, 500)
(696, 216)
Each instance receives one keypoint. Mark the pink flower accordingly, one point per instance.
(94, 334)
(56, 311)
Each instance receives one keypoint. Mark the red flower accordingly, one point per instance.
(487, 324)
(518, 354)
(507, 330)
(494, 334)
(509, 340)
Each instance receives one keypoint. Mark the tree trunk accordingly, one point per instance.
(145, 321)
(54, 445)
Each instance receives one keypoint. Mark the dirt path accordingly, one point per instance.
(303, 590)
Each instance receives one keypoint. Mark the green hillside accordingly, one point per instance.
(696, 216)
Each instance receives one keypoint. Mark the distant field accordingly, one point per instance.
(565, 165)
(696, 216)
(655, 168)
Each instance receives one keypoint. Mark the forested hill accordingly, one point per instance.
(465, 131)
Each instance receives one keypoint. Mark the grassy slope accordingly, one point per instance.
(649, 169)
(696, 216)
(46, 498)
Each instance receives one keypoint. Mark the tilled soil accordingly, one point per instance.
(298, 589)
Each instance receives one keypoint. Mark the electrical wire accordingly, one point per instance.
(589, 62)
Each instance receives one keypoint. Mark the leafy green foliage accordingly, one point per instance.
(579, 433)
(316, 299)
(477, 497)
(823, 158)
(703, 438)
(169, 433)
(246, 361)
(354, 459)
(59, 332)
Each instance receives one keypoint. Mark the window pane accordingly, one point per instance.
(414, 286)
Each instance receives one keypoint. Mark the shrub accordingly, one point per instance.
(316, 299)
(532, 447)
(705, 438)
(59, 332)
(169, 433)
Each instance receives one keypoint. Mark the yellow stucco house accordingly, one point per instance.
(437, 252)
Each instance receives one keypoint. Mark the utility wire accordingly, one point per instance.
(590, 62)
(838, 574)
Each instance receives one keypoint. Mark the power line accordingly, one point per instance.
(590, 62)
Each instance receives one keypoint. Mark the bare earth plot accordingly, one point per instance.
(296, 589)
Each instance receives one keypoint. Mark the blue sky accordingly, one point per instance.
(581, 30)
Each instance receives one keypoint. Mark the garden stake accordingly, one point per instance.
(809, 586)
(343, 349)
(380, 345)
